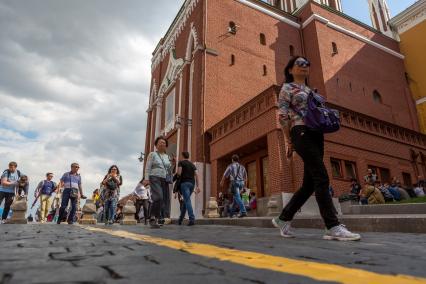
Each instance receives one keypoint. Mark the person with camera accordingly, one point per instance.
(72, 191)
(8, 188)
(111, 183)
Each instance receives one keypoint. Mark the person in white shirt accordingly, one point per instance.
(143, 197)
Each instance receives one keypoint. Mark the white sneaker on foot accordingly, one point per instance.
(340, 233)
(284, 226)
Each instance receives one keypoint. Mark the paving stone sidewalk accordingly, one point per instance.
(51, 253)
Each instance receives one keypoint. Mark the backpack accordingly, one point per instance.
(42, 186)
(318, 116)
(9, 173)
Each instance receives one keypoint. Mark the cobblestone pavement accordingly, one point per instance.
(72, 254)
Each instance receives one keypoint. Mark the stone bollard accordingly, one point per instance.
(129, 211)
(19, 210)
(212, 208)
(272, 207)
(89, 210)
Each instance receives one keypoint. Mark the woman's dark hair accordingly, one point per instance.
(161, 138)
(289, 77)
(185, 154)
(235, 158)
(114, 166)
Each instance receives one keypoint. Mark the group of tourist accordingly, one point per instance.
(14, 184)
(376, 192)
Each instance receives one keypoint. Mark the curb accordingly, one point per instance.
(360, 223)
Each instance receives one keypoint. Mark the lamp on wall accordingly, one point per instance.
(141, 157)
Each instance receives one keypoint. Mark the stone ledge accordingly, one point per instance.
(406, 208)
(415, 223)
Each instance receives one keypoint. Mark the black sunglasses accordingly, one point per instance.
(301, 62)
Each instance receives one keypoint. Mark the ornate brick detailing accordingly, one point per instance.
(377, 127)
(262, 103)
(173, 32)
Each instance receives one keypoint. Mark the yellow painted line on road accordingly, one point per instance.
(313, 270)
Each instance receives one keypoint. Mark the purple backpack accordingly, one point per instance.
(318, 116)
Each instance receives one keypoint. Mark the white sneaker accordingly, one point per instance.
(340, 233)
(284, 226)
(2, 221)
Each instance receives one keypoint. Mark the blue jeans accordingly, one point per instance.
(236, 186)
(64, 204)
(110, 208)
(186, 189)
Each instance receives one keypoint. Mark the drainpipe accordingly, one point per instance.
(203, 117)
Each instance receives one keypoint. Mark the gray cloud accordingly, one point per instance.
(74, 84)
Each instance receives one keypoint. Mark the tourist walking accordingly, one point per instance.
(143, 196)
(72, 190)
(158, 177)
(188, 180)
(238, 178)
(44, 191)
(309, 145)
(8, 187)
(111, 182)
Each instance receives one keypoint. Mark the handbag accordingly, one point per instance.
(169, 177)
(74, 191)
(318, 116)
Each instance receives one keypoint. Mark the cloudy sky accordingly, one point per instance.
(74, 82)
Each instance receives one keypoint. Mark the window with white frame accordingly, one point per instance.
(170, 112)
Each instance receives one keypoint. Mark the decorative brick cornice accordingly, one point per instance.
(373, 126)
(173, 33)
(265, 101)
(350, 119)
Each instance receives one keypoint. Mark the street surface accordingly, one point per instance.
(51, 253)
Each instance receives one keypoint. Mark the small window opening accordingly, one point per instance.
(334, 47)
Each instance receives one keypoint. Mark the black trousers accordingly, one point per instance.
(165, 210)
(8, 200)
(309, 145)
(142, 203)
(157, 185)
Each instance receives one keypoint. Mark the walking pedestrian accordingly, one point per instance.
(188, 179)
(44, 191)
(112, 182)
(158, 174)
(238, 178)
(143, 196)
(309, 145)
(72, 190)
(8, 187)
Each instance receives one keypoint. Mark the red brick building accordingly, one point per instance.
(217, 72)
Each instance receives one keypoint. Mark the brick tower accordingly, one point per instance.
(292, 5)
(380, 16)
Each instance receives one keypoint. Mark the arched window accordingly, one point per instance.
(262, 39)
(265, 70)
(334, 48)
(232, 59)
(291, 51)
(377, 97)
